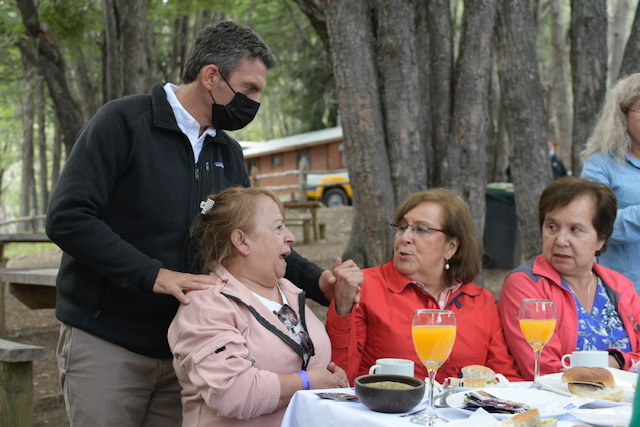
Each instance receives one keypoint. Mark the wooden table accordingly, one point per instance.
(6, 239)
(311, 207)
(34, 287)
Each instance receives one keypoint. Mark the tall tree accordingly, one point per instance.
(43, 183)
(28, 115)
(631, 59)
(618, 32)
(127, 45)
(558, 99)
(349, 24)
(523, 103)
(373, 48)
(41, 47)
(465, 168)
(588, 69)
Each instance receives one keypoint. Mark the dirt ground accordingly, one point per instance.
(40, 327)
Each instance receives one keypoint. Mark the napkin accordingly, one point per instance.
(478, 418)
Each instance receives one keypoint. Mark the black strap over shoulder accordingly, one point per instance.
(264, 322)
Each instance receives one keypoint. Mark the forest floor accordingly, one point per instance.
(40, 327)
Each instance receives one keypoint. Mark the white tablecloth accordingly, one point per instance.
(308, 410)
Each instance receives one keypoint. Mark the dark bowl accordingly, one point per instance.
(387, 399)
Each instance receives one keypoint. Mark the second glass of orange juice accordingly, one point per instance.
(537, 322)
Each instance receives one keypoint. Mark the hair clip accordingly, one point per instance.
(206, 206)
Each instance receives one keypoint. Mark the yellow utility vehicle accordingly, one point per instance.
(332, 189)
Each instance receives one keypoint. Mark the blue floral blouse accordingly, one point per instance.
(602, 328)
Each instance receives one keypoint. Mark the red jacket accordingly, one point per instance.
(381, 327)
(537, 279)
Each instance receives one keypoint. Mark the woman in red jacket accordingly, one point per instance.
(598, 308)
(436, 255)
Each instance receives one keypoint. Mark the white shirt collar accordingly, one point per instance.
(187, 124)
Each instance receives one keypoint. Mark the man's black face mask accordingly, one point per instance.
(236, 114)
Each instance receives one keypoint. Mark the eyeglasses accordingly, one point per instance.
(418, 228)
(290, 319)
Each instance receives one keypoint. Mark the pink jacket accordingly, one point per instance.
(537, 279)
(214, 339)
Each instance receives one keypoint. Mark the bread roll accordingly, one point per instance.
(478, 371)
(596, 383)
(473, 376)
(529, 419)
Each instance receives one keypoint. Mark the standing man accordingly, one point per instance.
(122, 211)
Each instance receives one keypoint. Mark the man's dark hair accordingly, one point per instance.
(226, 45)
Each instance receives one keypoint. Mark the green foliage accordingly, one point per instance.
(16, 249)
(71, 19)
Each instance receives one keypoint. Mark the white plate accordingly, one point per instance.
(548, 403)
(626, 380)
(618, 415)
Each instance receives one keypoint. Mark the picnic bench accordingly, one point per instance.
(308, 220)
(34, 287)
(16, 382)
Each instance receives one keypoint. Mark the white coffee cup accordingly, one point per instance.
(590, 359)
(392, 366)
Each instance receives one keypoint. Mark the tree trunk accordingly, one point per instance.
(465, 164)
(56, 161)
(43, 183)
(617, 38)
(113, 77)
(558, 106)
(127, 48)
(588, 68)
(88, 88)
(436, 60)
(498, 142)
(353, 57)
(27, 114)
(398, 81)
(42, 48)
(631, 59)
(523, 102)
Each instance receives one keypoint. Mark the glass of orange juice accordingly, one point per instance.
(433, 333)
(537, 322)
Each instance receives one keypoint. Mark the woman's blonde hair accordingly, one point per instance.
(456, 222)
(233, 209)
(610, 133)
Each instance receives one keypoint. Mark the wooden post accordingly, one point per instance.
(3, 325)
(303, 167)
(16, 383)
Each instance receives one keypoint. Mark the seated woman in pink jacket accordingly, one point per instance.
(597, 308)
(244, 347)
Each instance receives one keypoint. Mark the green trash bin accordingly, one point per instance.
(501, 238)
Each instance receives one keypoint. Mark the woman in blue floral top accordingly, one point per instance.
(598, 308)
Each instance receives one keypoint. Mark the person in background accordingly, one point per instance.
(612, 156)
(219, 340)
(597, 308)
(436, 254)
(557, 165)
(558, 169)
(121, 213)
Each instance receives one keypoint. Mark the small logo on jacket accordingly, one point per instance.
(218, 164)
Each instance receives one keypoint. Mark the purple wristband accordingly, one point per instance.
(306, 383)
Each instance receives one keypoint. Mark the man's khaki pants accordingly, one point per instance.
(106, 385)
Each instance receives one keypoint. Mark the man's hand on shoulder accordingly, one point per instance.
(178, 284)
